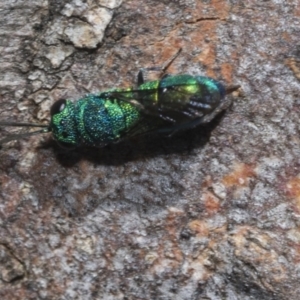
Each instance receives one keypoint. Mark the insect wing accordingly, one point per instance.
(169, 104)
(176, 99)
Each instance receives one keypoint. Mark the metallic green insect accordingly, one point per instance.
(175, 102)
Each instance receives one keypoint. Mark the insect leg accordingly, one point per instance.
(162, 69)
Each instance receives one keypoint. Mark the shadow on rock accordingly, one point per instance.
(136, 148)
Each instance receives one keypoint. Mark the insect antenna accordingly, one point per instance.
(22, 135)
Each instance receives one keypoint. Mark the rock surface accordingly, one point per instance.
(211, 213)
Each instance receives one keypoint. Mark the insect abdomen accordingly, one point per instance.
(193, 91)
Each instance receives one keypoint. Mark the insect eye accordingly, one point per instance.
(57, 107)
